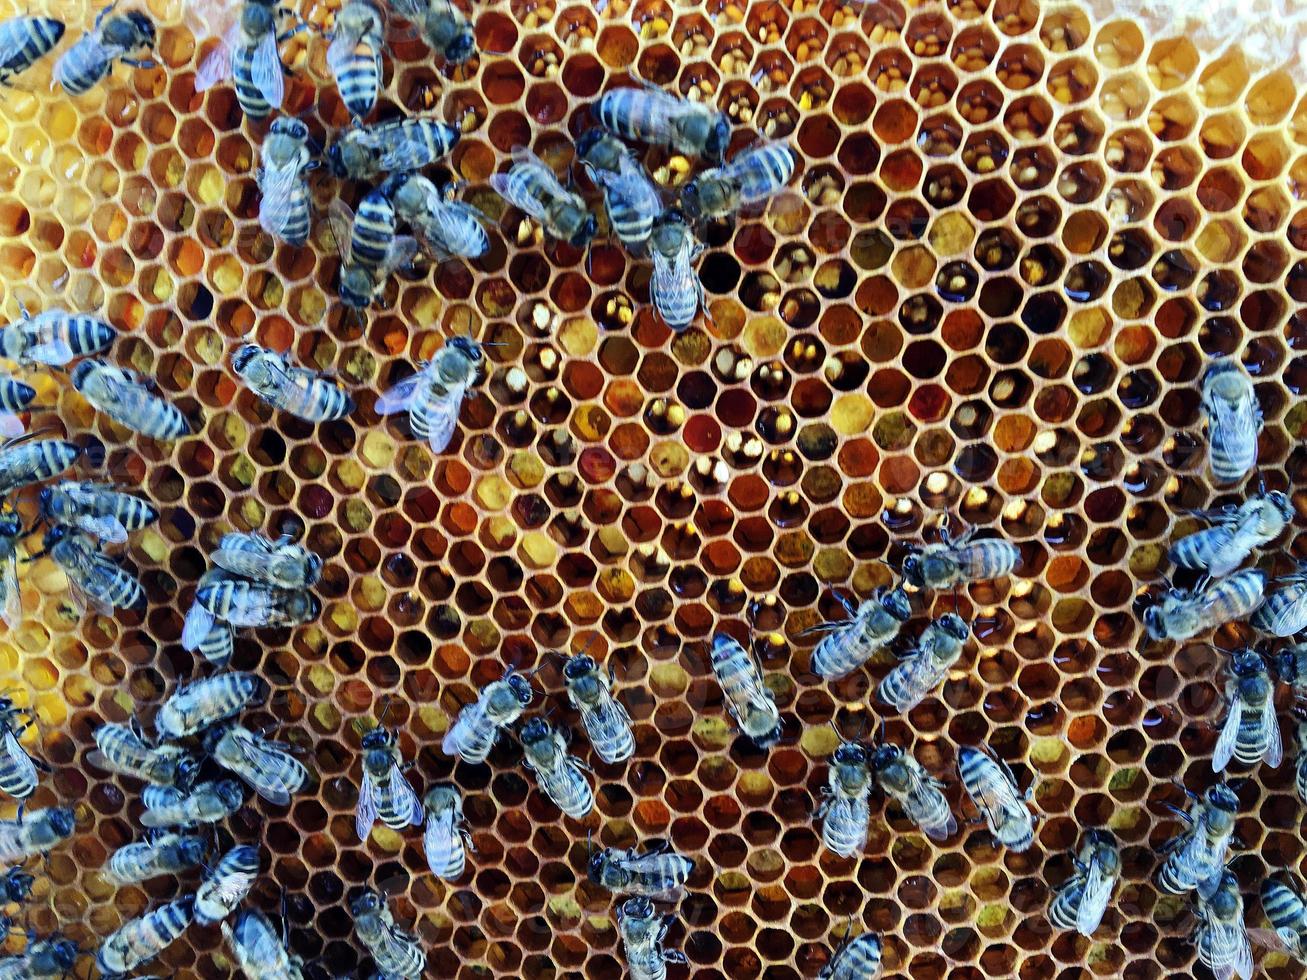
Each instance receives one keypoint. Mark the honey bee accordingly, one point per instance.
(240, 602)
(269, 768)
(44, 959)
(355, 55)
(1233, 421)
(630, 196)
(1195, 857)
(123, 397)
(1221, 938)
(446, 838)
(1082, 899)
(1284, 612)
(531, 187)
(195, 705)
(18, 769)
(89, 60)
(432, 397)
(123, 749)
(15, 397)
(94, 580)
(1235, 533)
(294, 390)
(675, 288)
(96, 508)
(283, 161)
(1251, 732)
(855, 959)
(446, 29)
(845, 810)
(24, 41)
(397, 953)
(159, 854)
(920, 795)
(54, 338)
(280, 563)
(205, 803)
(951, 563)
(1180, 615)
(397, 145)
(39, 833)
(652, 116)
(248, 55)
(605, 720)
(140, 940)
(27, 459)
(657, 872)
(560, 775)
(227, 884)
(754, 175)
(445, 228)
(15, 886)
(369, 248)
(850, 643)
(385, 793)
(643, 931)
(257, 949)
(11, 532)
(925, 666)
(1282, 901)
(993, 789)
(747, 698)
(499, 704)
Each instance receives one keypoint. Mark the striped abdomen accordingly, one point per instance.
(373, 232)
(1065, 907)
(396, 955)
(858, 960)
(227, 884)
(55, 337)
(844, 829)
(27, 39)
(315, 399)
(446, 853)
(1193, 862)
(1235, 597)
(32, 462)
(631, 112)
(1288, 915)
(18, 776)
(82, 66)
(149, 859)
(248, 93)
(15, 396)
(763, 171)
(359, 79)
(140, 940)
(1284, 612)
(473, 734)
(567, 787)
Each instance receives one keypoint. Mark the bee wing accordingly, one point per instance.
(407, 796)
(83, 600)
(469, 720)
(13, 607)
(340, 225)
(129, 396)
(403, 249)
(1280, 940)
(439, 840)
(1236, 427)
(277, 185)
(21, 763)
(1243, 954)
(918, 677)
(403, 155)
(922, 805)
(1282, 618)
(269, 768)
(1274, 749)
(366, 814)
(341, 50)
(265, 70)
(400, 395)
(448, 221)
(1229, 738)
(1093, 903)
(199, 621)
(442, 419)
(503, 186)
(108, 529)
(54, 351)
(216, 66)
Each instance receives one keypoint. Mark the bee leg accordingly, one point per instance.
(45, 767)
(22, 805)
(99, 18)
(140, 62)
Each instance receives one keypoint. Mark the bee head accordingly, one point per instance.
(1247, 663)
(244, 355)
(719, 138)
(462, 47)
(192, 850)
(885, 755)
(466, 345)
(315, 605)
(356, 287)
(19, 884)
(54, 536)
(314, 565)
(1153, 623)
(521, 687)
(913, 570)
(1223, 798)
(536, 730)
(850, 754)
(896, 603)
(595, 867)
(587, 141)
(1280, 501)
(365, 902)
(11, 523)
(62, 820)
(955, 626)
(230, 792)
(586, 232)
(290, 126)
(768, 739)
(377, 738)
(637, 908)
(692, 199)
(64, 953)
(578, 666)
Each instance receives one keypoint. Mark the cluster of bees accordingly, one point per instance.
(259, 582)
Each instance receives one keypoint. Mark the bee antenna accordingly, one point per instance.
(385, 710)
(836, 728)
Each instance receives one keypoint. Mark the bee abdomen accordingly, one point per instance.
(374, 230)
(844, 830)
(620, 111)
(81, 67)
(359, 80)
(1066, 905)
(33, 37)
(248, 94)
(18, 777)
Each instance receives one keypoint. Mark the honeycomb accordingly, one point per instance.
(1018, 233)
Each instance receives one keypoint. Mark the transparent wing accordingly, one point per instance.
(929, 809)
(1274, 750)
(53, 352)
(917, 676)
(523, 157)
(270, 768)
(404, 155)
(340, 225)
(131, 398)
(199, 621)
(399, 396)
(1093, 903)
(442, 418)
(216, 66)
(341, 50)
(278, 186)
(1243, 953)
(631, 185)
(1229, 737)
(470, 719)
(405, 795)
(1287, 618)
(366, 814)
(105, 528)
(502, 185)
(439, 840)
(403, 249)
(450, 226)
(1236, 427)
(84, 600)
(13, 606)
(265, 70)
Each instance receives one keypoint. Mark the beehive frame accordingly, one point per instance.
(1017, 234)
